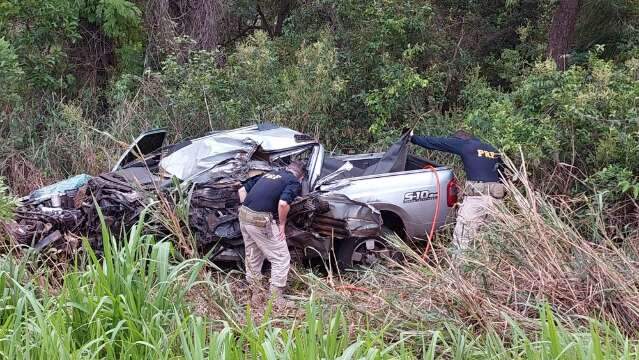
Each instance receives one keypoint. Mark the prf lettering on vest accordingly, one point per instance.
(486, 154)
(273, 176)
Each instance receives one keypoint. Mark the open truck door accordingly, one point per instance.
(144, 144)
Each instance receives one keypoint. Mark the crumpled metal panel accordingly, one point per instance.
(120, 203)
(213, 211)
(393, 160)
(201, 156)
(362, 220)
(207, 152)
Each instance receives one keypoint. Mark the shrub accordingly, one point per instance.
(585, 117)
(257, 83)
(11, 76)
(7, 202)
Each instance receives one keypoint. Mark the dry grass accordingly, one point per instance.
(531, 254)
(22, 175)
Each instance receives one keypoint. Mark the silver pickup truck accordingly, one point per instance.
(346, 202)
(409, 200)
(368, 192)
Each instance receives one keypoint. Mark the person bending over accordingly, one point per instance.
(265, 205)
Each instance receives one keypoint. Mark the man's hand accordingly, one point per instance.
(407, 130)
(282, 235)
(241, 192)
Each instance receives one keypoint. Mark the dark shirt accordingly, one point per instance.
(265, 192)
(482, 161)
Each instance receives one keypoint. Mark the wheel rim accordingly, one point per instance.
(369, 252)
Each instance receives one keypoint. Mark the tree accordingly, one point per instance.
(562, 31)
(267, 15)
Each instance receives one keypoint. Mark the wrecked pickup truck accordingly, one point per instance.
(346, 201)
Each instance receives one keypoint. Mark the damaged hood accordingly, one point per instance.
(205, 153)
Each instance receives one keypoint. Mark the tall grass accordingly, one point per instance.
(530, 288)
(133, 303)
(137, 301)
(531, 253)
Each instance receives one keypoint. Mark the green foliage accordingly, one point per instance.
(7, 202)
(585, 116)
(350, 72)
(615, 181)
(384, 54)
(126, 304)
(10, 74)
(121, 21)
(401, 82)
(257, 84)
(609, 23)
(44, 47)
(41, 46)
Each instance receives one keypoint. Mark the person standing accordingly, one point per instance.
(483, 188)
(265, 205)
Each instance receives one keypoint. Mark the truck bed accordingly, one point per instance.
(362, 161)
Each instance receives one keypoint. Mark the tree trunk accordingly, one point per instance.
(562, 31)
(162, 30)
(207, 22)
(282, 14)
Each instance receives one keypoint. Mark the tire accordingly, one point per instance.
(361, 253)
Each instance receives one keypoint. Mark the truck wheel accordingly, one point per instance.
(353, 253)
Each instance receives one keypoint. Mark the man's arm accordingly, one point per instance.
(291, 191)
(243, 191)
(446, 144)
(282, 211)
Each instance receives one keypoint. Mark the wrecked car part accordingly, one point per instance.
(33, 225)
(393, 160)
(48, 240)
(144, 144)
(58, 189)
(213, 211)
(207, 152)
(338, 173)
(119, 202)
(362, 220)
(228, 227)
(214, 167)
(368, 252)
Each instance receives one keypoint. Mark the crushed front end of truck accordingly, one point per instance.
(190, 190)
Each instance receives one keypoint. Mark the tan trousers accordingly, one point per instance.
(479, 200)
(261, 241)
